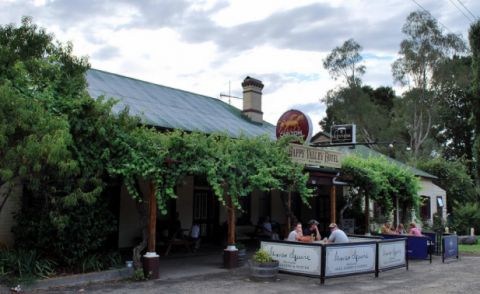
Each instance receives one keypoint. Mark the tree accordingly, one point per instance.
(455, 129)
(382, 181)
(344, 62)
(474, 39)
(453, 178)
(425, 47)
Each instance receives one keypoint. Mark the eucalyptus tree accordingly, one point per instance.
(424, 48)
(345, 62)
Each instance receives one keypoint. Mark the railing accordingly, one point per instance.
(360, 256)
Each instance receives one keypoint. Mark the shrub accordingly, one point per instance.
(82, 234)
(23, 266)
(262, 256)
(466, 216)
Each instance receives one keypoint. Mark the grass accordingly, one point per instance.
(471, 249)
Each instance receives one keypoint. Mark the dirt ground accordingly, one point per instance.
(462, 276)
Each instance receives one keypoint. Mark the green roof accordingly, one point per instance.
(171, 108)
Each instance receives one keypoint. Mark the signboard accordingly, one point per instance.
(295, 258)
(391, 254)
(450, 246)
(296, 123)
(343, 134)
(344, 260)
(315, 156)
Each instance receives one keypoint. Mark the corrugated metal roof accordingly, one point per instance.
(171, 108)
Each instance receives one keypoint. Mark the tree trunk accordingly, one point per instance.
(288, 210)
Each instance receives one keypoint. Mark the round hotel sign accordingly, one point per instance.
(294, 122)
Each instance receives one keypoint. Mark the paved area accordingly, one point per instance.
(180, 275)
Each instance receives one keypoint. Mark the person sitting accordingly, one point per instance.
(268, 230)
(386, 228)
(296, 234)
(414, 230)
(336, 235)
(400, 229)
(312, 230)
(194, 235)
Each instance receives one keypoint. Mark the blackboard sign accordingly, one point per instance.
(343, 134)
(450, 246)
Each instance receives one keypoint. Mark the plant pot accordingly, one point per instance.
(242, 256)
(263, 271)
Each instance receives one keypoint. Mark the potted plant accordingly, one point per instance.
(263, 266)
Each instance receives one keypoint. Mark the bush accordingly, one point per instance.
(22, 266)
(466, 216)
(262, 256)
(83, 232)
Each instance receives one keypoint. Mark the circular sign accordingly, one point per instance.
(296, 123)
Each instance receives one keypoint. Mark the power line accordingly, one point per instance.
(458, 8)
(474, 17)
(418, 4)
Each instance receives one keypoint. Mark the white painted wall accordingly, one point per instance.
(429, 189)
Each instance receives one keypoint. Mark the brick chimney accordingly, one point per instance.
(252, 99)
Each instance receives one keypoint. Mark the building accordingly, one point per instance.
(168, 108)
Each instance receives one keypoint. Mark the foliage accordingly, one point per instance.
(138, 275)
(83, 234)
(382, 181)
(23, 266)
(466, 216)
(453, 178)
(456, 128)
(345, 61)
(420, 54)
(98, 262)
(474, 40)
(262, 256)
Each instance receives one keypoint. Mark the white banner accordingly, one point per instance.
(295, 258)
(391, 254)
(342, 260)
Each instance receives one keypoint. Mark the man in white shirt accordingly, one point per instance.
(336, 235)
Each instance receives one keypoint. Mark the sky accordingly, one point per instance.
(209, 46)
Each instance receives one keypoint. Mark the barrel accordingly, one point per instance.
(263, 271)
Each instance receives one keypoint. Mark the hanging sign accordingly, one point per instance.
(294, 123)
(315, 156)
(343, 134)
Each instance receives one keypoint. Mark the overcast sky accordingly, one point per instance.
(203, 46)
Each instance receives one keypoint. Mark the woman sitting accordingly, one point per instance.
(414, 230)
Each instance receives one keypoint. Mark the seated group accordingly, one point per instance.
(311, 233)
(413, 229)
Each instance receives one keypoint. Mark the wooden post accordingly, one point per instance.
(152, 223)
(151, 259)
(289, 219)
(367, 214)
(333, 204)
(231, 221)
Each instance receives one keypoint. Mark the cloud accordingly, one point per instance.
(106, 53)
